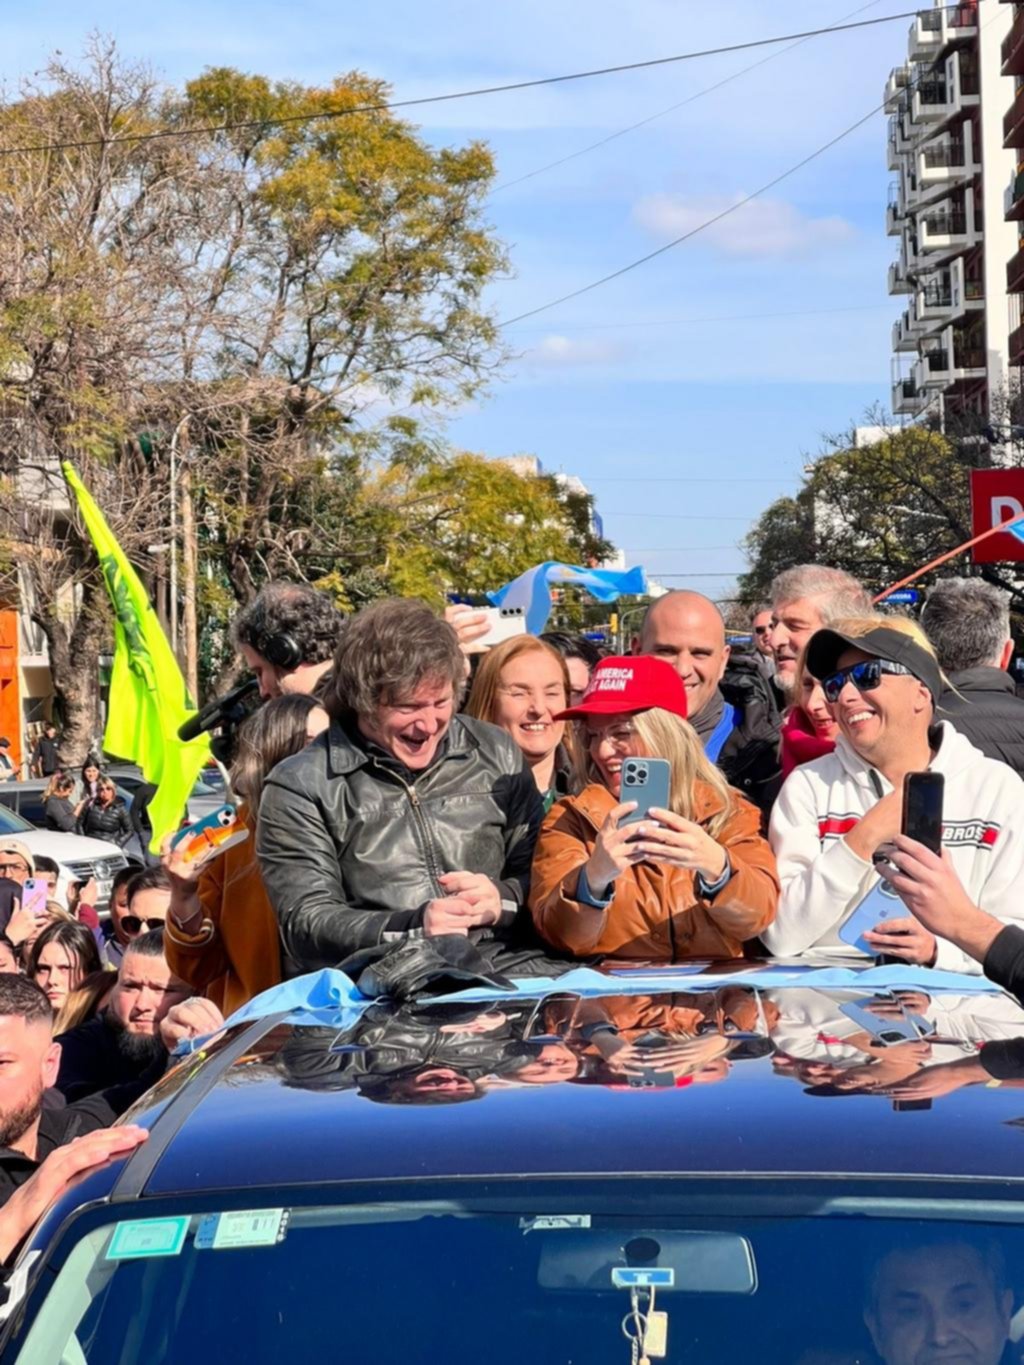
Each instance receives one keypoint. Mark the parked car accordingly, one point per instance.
(204, 799)
(79, 858)
(807, 1174)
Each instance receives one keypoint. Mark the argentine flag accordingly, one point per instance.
(532, 589)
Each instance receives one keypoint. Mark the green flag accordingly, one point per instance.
(148, 697)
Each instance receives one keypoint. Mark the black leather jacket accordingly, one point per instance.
(106, 822)
(985, 709)
(351, 844)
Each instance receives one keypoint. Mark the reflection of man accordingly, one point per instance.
(944, 1302)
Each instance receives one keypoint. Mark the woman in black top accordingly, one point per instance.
(61, 812)
(106, 815)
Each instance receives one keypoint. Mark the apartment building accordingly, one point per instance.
(1013, 134)
(946, 206)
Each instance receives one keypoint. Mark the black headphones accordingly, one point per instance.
(281, 650)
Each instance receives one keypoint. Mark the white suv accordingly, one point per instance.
(79, 858)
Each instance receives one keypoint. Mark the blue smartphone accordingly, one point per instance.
(647, 781)
(910, 1028)
(880, 904)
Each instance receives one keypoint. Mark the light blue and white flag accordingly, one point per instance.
(532, 589)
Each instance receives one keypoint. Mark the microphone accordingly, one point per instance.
(220, 711)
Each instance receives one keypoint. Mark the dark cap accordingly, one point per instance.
(827, 647)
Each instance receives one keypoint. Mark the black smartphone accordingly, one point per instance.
(910, 1106)
(922, 808)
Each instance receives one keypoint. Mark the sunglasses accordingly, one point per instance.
(865, 676)
(762, 630)
(131, 924)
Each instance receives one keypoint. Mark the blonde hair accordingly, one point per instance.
(663, 734)
(856, 626)
(85, 1001)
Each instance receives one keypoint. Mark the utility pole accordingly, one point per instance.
(189, 568)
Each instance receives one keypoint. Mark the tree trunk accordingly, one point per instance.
(74, 669)
(188, 564)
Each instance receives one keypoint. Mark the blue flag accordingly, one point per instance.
(532, 589)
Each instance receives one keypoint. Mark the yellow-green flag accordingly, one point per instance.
(148, 696)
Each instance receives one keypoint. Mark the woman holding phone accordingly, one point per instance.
(694, 878)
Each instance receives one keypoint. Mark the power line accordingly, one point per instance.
(724, 317)
(663, 113)
(671, 478)
(676, 516)
(381, 105)
(701, 227)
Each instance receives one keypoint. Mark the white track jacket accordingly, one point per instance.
(823, 880)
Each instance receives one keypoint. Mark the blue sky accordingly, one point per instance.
(689, 393)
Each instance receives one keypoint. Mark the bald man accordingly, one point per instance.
(735, 715)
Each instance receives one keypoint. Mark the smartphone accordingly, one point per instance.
(647, 781)
(922, 808)
(213, 834)
(910, 1106)
(888, 1032)
(34, 895)
(505, 624)
(880, 904)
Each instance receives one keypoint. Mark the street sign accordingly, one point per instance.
(997, 494)
(598, 637)
(902, 597)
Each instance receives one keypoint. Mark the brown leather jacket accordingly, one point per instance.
(656, 913)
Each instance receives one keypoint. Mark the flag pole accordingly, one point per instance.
(950, 554)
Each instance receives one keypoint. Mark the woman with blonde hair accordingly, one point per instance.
(520, 686)
(694, 880)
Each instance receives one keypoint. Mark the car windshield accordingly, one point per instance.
(554, 1275)
(10, 823)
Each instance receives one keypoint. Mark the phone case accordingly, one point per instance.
(645, 781)
(34, 895)
(506, 624)
(885, 1030)
(881, 903)
(214, 834)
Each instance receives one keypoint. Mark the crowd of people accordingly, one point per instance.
(403, 785)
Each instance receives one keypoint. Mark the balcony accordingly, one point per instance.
(1013, 200)
(955, 358)
(925, 37)
(1015, 273)
(905, 332)
(907, 399)
(898, 280)
(942, 165)
(1013, 47)
(967, 293)
(963, 85)
(1013, 122)
(943, 230)
(899, 80)
(933, 304)
(930, 101)
(1016, 345)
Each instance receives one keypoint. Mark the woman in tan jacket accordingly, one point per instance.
(696, 880)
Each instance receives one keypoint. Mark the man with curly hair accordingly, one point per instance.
(287, 635)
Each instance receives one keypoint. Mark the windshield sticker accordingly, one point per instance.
(553, 1222)
(148, 1237)
(242, 1228)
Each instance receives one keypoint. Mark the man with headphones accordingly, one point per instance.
(287, 635)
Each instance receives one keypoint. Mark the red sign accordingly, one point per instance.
(996, 495)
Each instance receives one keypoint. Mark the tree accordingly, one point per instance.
(467, 524)
(879, 511)
(255, 300)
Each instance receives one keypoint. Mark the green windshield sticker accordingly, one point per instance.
(241, 1228)
(148, 1237)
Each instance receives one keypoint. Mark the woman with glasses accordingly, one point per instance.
(59, 961)
(693, 880)
(105, 816)
(222, 935)
(520, 686)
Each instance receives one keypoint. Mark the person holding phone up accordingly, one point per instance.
(693, 877)
(838, 825)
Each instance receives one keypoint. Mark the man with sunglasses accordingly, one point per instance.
(837, 812)
(138, 902)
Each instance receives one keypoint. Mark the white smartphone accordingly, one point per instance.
(505, 624)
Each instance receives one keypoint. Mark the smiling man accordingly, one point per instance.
(734, 713)
(835, 813)
(804, 599)
(405, 817)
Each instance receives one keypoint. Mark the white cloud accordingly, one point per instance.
(557, 351)
(762, 228)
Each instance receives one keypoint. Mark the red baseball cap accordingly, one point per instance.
(627, 683)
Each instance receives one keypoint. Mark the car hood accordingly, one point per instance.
(754, 1071)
